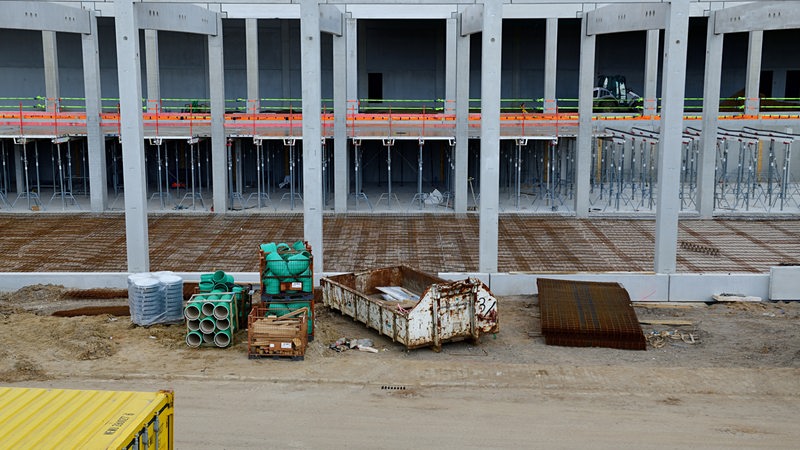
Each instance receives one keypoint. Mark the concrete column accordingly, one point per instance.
(583, 153)
(351, 29)
(550, 69)
(708, 149)
(98, 189)
(650, 104)
(219, 148)
(51, 84)
(669, 144)
(340, 161)
(251, 43)
(450, 66)
(461, 185)
(132, 129)
(491, 48)
(311, 76)
(753, 78)
(152, 70)
(286, 74)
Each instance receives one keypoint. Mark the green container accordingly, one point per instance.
(206, 277)
(307, 278)
(299, 246)
(269, 247)
(271, 285)
(277, 265)
(206, 286)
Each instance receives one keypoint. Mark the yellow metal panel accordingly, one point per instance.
(59, 418)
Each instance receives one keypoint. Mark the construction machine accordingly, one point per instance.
(611, 94)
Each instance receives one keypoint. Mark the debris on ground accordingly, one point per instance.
(344, 344)
(659, 339)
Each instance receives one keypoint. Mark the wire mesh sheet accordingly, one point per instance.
(588, 314)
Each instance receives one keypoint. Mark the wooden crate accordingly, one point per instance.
(286, 335)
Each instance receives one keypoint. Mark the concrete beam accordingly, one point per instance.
(491, 63)
(628, 17)
(472, 19)
(331, 20)
(132, 130)
(175, 17)
(219, 143)
(671, 137)
(310, 79)
(757, 16)
(98, 188)
(45, 16)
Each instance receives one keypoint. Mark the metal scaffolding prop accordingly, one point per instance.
(289, 143)
(263, 171)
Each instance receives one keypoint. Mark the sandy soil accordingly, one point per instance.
(728, 378)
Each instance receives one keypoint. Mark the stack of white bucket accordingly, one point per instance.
(155, 298)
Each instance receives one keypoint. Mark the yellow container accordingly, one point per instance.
(63, 418)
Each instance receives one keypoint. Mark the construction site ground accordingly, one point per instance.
(725, 375)
(197, 242)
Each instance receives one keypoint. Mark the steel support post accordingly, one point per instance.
(670, 139)
(132, 130)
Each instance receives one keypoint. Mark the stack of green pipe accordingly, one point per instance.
(211, 315)
(286, 263)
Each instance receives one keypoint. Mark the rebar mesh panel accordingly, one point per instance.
(588, 314)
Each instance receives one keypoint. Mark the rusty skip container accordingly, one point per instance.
(65, 418)
(447, 311)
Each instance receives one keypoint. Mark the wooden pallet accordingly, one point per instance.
(285, 336)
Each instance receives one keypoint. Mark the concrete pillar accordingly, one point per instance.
(132, 129)
(491, 48)
(251, 43)
(708, 144)
(98, 189)
(152, 70)
(461, 182)
(669, 144)
(51, 84)
(650, 103)
(351, 28)
(753, 78)
(219, 147)
(311, 77)
(550, 58)
(450, 66)
(286, 74)
(340, 161)
(583, 153)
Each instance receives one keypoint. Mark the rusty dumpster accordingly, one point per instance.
(414, 308)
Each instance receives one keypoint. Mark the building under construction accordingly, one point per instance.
(454, 107)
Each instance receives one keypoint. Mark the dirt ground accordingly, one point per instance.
(743, 357)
